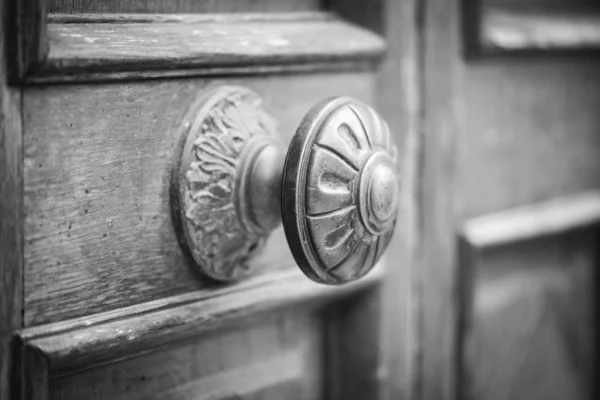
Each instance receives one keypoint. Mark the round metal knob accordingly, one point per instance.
(336, 192)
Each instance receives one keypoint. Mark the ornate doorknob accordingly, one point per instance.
(336, 192)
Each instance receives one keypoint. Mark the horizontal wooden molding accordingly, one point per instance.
(532, 221)
(179, 6)
(187, 18)
(526, 30)
(112, 47)
(86, 342)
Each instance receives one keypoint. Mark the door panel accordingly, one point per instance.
(528, 132)
(504, 131)
(109, 305)
(526, 327)
(98, 162)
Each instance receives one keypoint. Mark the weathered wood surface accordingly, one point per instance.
(160, 270)
(497, 135)
(11, 221)
(100, 51)
(85, 342)
(187, 18)
(275, 357)
(181, 6)
(97, 165)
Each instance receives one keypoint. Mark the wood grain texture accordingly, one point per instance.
(98, 221)
(83, 51)
(84, 342)
(181, 6)
(147, 344)
(276, 356)
(129, 18)
(497, 135)
(11, 220)
(98, 231)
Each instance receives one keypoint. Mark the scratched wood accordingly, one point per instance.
(99, 50)
(96, 178)
(77, 356)
(84, 342)
(272, 358)
(98, 230)
(181, 6)
(497, 134)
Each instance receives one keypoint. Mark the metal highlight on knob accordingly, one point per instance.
(336, 193)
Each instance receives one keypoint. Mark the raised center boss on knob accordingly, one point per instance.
(336, 192)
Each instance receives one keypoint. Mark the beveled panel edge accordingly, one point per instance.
(86, 342)
(524, 31)
(203, 72)
(530, 221)
(98, 48)
(536, 220)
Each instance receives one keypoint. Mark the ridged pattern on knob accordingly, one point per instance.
(340, 191)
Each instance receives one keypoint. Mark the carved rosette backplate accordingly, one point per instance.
(219, 128)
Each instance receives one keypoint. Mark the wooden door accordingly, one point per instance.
(100, 298)
(511, 206)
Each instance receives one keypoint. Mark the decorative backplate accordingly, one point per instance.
(340, 191)
(222, 129)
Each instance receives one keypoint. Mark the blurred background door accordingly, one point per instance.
(510, 201)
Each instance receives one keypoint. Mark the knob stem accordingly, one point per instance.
(260, 174)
